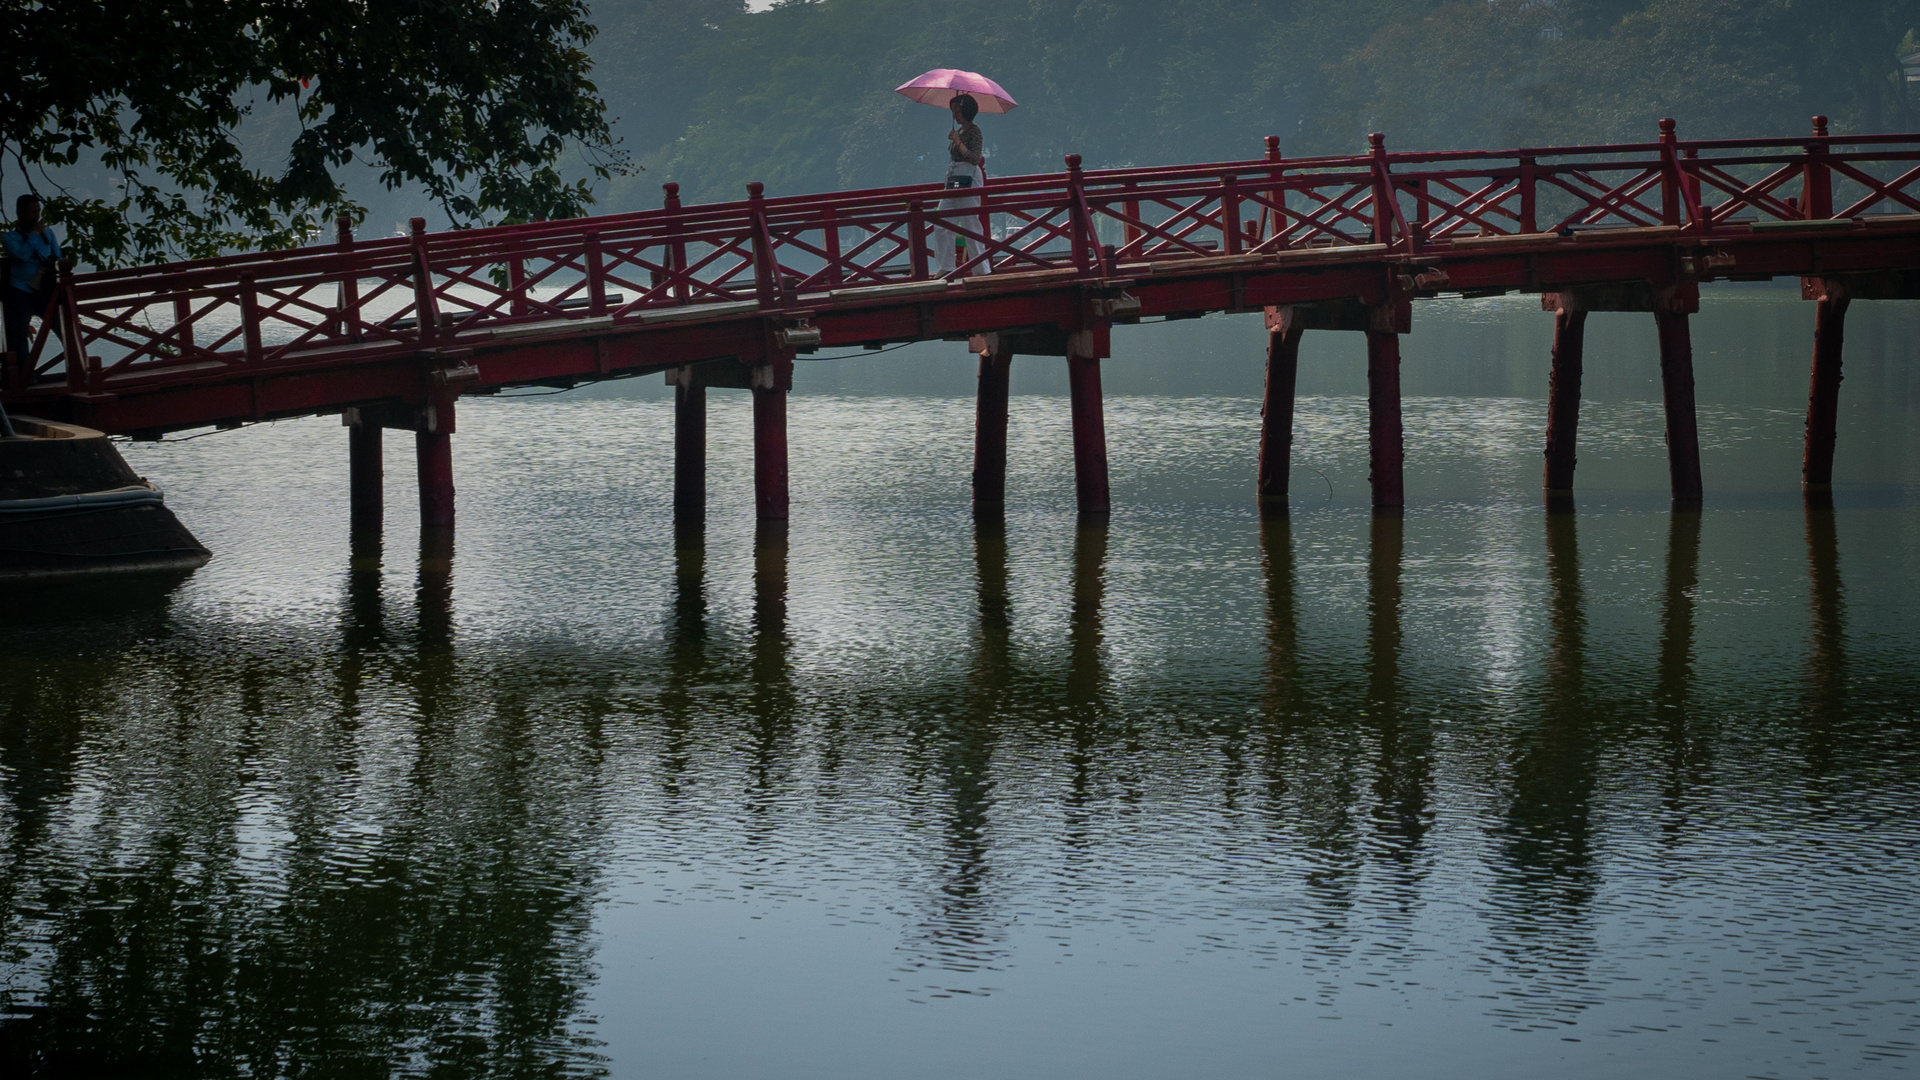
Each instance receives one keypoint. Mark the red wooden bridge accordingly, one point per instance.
(390, 332)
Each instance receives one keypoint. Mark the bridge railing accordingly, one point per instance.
(359, 299)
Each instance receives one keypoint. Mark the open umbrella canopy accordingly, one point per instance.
(942, 85)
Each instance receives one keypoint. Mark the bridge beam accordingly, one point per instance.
(990, 430)
(1563, 394)
(1284, 330)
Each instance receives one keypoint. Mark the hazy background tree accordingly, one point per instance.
(800, 96)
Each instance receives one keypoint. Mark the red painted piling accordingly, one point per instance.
(1823, 395)
(990, 430)
(1386, 451)
(1676, 384)
(1276, 414)
(365, 479)
(770, 453)
(1563, 397)
(1089, 435)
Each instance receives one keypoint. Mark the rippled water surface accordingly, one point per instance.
(1480, 793)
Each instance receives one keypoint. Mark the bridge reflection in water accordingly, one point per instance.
(401, 873)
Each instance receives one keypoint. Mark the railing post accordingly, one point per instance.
(1529, 195)
(1130, 233)
(1669, 175)
(596, 277)
(1421, 218)
(830, 243)
(182, 323)
(1230, 215)
(1386, 201)
(517, 281)
(917, 239)
(71, 347)
(1276, 216)
(1817, 190)
(1690, 180)
(250, 319)
(676, 247)
(346, 321)
(426, 309)
(767, 287)
(1084, 242)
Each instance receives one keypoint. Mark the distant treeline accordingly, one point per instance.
(800, 96)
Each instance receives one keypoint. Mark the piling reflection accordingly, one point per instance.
(1084, 634)
(1402, 778)
(772, 678)
(686, 651)
(961, 936)
(1283, 622)
(1826, 677)
(1683, 748)
(1543, 920)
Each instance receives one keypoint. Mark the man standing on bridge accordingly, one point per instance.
(33, 266)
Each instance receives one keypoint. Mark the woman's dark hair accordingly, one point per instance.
(20, 204)
(969, 108)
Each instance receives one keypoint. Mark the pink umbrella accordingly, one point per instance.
(942, 85)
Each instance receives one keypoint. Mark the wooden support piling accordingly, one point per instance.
(1563, 397)
(1276, 410)
(690, 449)
(1676, 383)
(365, 480)
(1089, 435)
(990, 431)
(1823, 395)
(434, 453)
(1384, 435)
(770, 453)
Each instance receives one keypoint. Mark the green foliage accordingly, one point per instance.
(800, 97)
(474, 101)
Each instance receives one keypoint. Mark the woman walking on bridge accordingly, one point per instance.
(966, 175)
(966, 94)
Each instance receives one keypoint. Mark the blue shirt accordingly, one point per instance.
(28, 254)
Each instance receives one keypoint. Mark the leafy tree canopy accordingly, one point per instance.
(477, 102)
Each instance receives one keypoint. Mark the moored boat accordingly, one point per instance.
(71, 506)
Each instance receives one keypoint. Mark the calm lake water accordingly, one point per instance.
(1480, 793)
